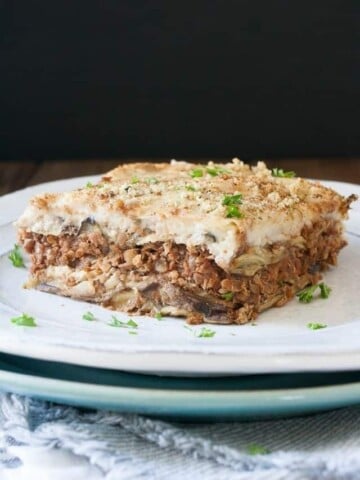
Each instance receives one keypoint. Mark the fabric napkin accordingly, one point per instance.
(42, 440)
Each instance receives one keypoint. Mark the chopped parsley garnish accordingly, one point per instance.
(152, 180)
(196, 173)
(205, 333)
(316, 326)
(279, 172)
(89, 316)
(15, 257)
(231, 202)
(190, 188)
(132, 324)
(325, 290)
(232, 211)
(90, 185)
(307, 294)
(255, 449)
(215, 171)
(158, 316)
(132, 332)
(24, 320)
(115, 322)
(232, 199)
(134, 180)
(228, 296)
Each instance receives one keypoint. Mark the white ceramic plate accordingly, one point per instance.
(279, 342)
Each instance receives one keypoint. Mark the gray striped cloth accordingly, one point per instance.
(105, 445)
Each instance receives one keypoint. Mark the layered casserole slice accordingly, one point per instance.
(215, 243)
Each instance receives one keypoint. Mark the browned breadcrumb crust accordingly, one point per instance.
(172, 275)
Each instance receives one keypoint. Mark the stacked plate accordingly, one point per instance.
(277, 366)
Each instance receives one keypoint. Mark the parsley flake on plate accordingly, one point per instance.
(205, 333)
(15, 257)
(158, 316)
(316, 326)
(24, 320)
(89, 316)
(115, 322)
(131, 323)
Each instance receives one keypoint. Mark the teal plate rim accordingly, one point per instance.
(214, 398)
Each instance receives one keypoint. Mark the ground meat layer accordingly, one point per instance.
(173, 278)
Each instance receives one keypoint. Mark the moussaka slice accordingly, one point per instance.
(215, 243)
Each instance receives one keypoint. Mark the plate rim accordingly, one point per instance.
(187, 402)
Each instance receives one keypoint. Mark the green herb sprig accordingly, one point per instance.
(255, 449)
(90, 317)
(203, 333)
(228, 296)
(316, 326)
(90, 185)
(15, 257)
(215, 171)
(279, 172)
(24, 320)
(233, 199)
(307, 294)
(196, 173)
(232, 211)
(231, 202)
(325, 290)
(115, 322)
(152, 180)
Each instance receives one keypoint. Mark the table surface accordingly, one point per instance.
(17, 175)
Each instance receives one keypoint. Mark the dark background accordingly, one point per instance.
(179, 79)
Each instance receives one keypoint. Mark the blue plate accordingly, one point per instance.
(241, 397)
